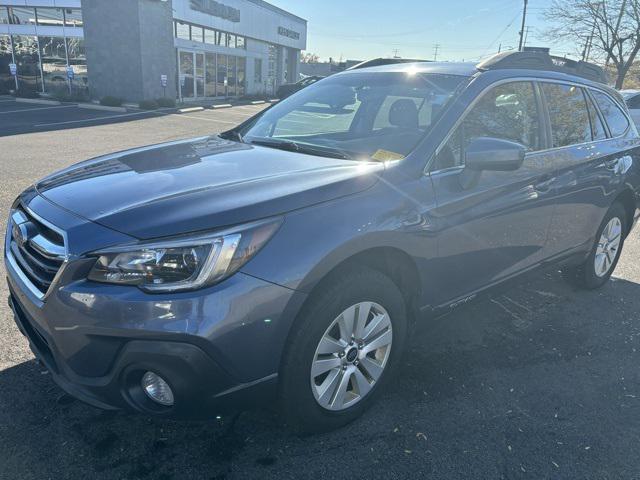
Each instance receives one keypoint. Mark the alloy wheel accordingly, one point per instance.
(351, 356)
(608, 246)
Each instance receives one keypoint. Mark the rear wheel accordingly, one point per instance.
(343, 351)
(605, 253)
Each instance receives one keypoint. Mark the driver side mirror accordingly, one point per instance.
(491, 154)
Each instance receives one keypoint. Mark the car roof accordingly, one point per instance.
(466, 69)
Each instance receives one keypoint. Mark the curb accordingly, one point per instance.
(274, 100)
(223, 105)
(37, 101)
(93, 106)
(191, 109)
(258, 102)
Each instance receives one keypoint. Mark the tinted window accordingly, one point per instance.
(22, 16)
(597, 126)
(568, 113)
(634, 102)
(508, 112)
(52, 17)
(613, 115)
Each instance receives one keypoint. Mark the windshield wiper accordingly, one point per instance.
(292, 146)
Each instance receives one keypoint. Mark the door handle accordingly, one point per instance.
(543, 185)
(612, 164)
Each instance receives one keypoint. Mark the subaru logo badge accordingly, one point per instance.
(19, 234)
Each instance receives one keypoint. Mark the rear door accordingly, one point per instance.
(497, 226)
(588, 153)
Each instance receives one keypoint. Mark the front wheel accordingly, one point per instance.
(343, 351)
(605, 253)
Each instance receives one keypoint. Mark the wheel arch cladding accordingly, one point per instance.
(627, 199)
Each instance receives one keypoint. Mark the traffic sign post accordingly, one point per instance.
(163, 82)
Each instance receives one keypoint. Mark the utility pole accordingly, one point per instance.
(395, 53)
(500, 48)
(526, 36)
(436, 49)
(524, 21)
(615, 32)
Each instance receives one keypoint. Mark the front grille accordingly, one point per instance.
(37, 249)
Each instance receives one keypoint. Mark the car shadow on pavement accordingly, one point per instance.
(537, 382)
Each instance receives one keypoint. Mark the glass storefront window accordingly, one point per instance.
(231, 40)
(50, 17)
(196, 34)
(7, 82)
(257, 71)
(78, 61)
(28, 62)
(183, 31)
(73, 17)
(231, 75)
(186, 74)
(221, 82)
(22, 15)
(54, 64)
(241, 42)
(210, 75)
(242, 74)
(200, 74)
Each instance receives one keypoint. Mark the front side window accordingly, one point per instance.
(22, 15)
(507, 112)
(570, 124)
(73, 17)
(50, 17)
(617, 121)
(358, 115)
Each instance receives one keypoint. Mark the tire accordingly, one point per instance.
(589, 275)
(304, 408)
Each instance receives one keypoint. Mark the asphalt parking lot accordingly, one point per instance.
(541, 381)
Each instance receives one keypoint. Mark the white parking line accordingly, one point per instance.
(205, 119)
(34, 109)
(97, 119)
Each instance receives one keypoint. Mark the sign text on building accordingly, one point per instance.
(285, 32)
(217, 9)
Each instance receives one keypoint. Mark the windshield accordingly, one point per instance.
(374, 115)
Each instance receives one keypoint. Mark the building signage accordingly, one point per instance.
(217, 9)
(163, 81)
(285, 32)
(13, 69)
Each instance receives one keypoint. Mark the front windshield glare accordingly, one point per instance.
(372, 115)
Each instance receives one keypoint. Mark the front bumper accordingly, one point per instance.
(219, 347)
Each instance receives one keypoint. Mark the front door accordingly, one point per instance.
(497, 225)
(192, 74)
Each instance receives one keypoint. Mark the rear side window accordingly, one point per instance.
(613, 115)
(599, 132)
(570, 123)
(507, 112)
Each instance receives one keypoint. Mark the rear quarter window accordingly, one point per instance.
(613, 115)
(570, 122)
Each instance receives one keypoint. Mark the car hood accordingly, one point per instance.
(200, 184)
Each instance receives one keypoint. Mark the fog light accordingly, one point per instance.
(157, 389)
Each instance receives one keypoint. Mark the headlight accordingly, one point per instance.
(184, 263)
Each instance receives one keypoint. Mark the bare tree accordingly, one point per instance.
(607, 31)
(309, 58)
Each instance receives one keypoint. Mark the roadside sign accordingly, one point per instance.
(13, 68)
(70, 73)
(163, 81)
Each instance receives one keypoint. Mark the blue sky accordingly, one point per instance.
(465, 29)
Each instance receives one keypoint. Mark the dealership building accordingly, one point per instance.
(146, 49)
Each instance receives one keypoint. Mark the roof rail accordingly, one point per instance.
(378, 62)
(536, 58)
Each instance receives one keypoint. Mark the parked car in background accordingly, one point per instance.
(285, 262)
(289, 89)
(632, 99)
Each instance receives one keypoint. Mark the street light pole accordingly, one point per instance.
(524, 21)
